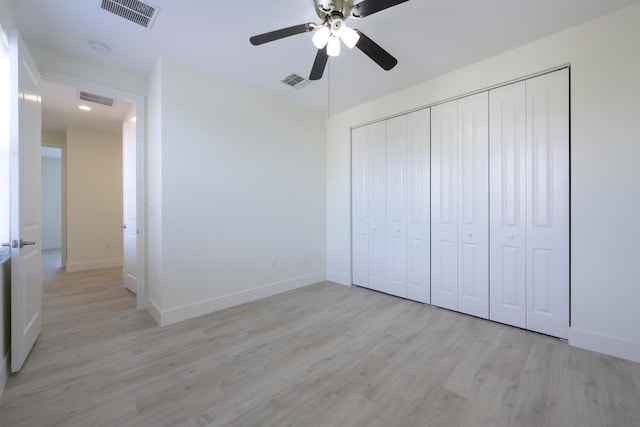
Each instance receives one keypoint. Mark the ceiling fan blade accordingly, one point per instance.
(375, 52)
(281, 33)
(319, 64)
(368, 7)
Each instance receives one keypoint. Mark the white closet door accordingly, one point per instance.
(396, 198)
(473, 205)
(359, 206)
(508, 205)
(418, 206)
(547, 133)
(377, 206)
(444, 206)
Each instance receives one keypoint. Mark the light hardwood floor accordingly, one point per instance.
(324, 355)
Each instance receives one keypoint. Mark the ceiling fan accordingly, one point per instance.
(333, 14)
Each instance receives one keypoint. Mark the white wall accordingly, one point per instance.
(94, 199)
(605, 201)
(242, 192)
(54, 139)
(51, 203)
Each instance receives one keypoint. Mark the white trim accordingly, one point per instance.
(141, 165)
(4, 372)
(154, 311)
(342, 279)
(613, 346)
(72, 267)
(190, 311)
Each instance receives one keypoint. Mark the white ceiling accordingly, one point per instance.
(428, 37)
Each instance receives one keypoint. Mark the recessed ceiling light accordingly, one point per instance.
(99, 47)
(84, 107)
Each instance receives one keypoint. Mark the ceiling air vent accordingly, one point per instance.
(295, 81)
(133, 10)
(92, 97)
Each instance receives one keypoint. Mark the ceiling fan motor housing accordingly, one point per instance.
(341, 8)
(337, 24)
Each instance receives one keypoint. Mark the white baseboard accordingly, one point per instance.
(4, 372)
(155, 311)
(93, 265)
(339, 278)
(613, 346)
(178, 314)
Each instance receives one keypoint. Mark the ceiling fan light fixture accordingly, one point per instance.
(333, 46)
(321, 37)
(349, 36)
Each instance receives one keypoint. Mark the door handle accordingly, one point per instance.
(19, 244)
(24, 243)
(123, 226)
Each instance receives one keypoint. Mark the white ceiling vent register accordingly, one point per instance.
(97, 99)
(295, 81)
(141, 13)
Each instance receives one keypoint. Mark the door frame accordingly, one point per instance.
(141, 164)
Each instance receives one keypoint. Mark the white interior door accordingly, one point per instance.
(418, 206)
(377, 206)
(130, 226)
(444, 205)
(396, 199)
(508, 205)
(359, 206)
(473, 205)
(547, 135)
(26, 275)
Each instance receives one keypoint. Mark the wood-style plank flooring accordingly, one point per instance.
(323, 355)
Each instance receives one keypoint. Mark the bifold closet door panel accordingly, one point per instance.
(507, 253)
(473, 205)
(418, 205)
(396, 198)
(359, 206)
(547, 133)
(444, 205)
(377, 181)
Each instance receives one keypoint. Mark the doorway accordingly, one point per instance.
(131, 108)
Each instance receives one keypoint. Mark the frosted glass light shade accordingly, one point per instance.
(321, 37)
(333, 46)
(349, 36)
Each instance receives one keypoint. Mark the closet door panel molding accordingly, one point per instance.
(444, 207)
(396, 199)
(418, 205)
(547, 133)
(473, 205)
(359, 206)
(508, 205)
(377, 206)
